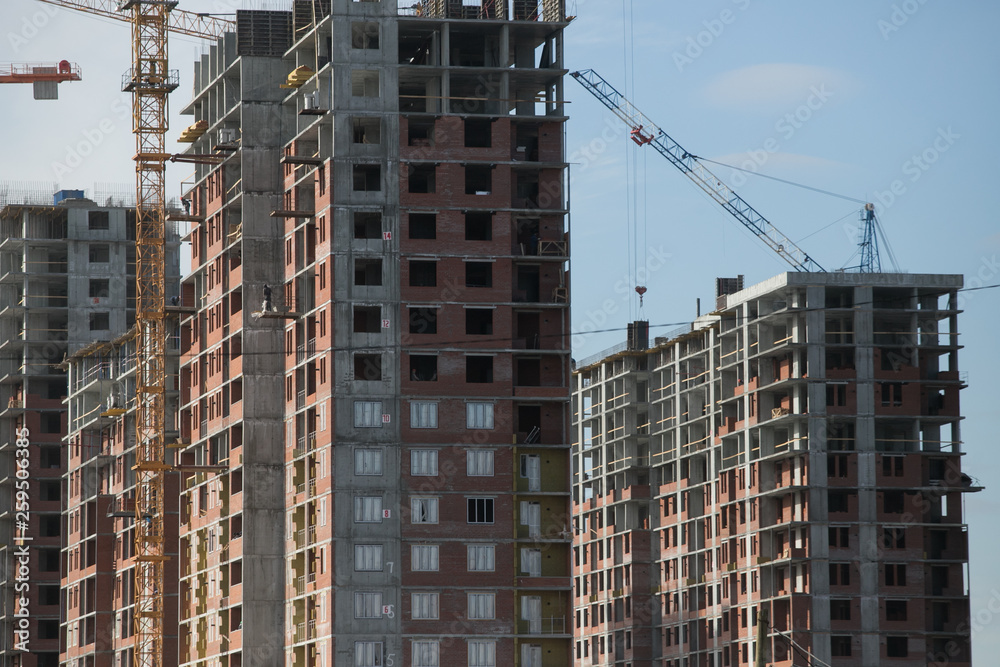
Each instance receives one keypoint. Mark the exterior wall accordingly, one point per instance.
(66, 279)
(232, 511)
(796, 453)
(356, 342)
(307, 349)
(99, 511)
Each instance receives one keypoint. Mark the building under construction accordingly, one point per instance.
(780, 480)
(67, 278)
(371, 450)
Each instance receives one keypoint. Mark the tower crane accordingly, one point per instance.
(150, 81)
(41, 74)
(644, 132)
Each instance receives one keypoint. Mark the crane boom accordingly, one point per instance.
(181, 22)
(32, 72)
(644, 131)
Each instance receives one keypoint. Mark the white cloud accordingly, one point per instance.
(778, 86)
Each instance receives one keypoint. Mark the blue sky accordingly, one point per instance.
(858, 98)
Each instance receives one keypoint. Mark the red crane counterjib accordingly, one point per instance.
(32, 72)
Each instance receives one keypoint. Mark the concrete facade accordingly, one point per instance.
(798, 453)
(394, 425)
(66, 279)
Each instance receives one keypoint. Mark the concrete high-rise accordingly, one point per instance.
(378, 370)
(796, 453)
(67, 273)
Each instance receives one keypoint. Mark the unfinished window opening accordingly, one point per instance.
(478, 369)
(528, 284)
(478, 321)
(423, 225)
(469, 49)
(529, 372)
(99, 288)
(478, 226)
(100, 321)
(99, 253)
(897, 647)
(368, 272)
(367, 224)
(528, 331)
(478, 179)
(526, 190)
(422, 178)
(423, 367)
(527, 236)
(364, 83)
(478, 133)
(367, 130)
(367, 319)
(368, 367)
(423, 273)
(420, 132)
(423, 320)
(529, 423)
(413, 98)
(895, 610)
(479, 274)
(526, 144)
(97, 220)
(367, 178)
(364, 35)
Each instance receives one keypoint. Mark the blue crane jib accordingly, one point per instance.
(646, 132)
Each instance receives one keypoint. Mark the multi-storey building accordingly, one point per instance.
(66, 278)
(792, 460)
(99, 509)
(232, 513)
(393, 415)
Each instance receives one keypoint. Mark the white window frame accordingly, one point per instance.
(367, 604)
(368, 654)
(426, 556)
(368, 461)
(425, 653)
(531, 562)
(368, 553)
(482, 653)
(481, 557)
(482, 606)
(424, 462)
(493, 507)
(425, 606)
(367, 509)
(480, 463)
(480, 415)
(424, 509)
(423, 414)
(367, 414)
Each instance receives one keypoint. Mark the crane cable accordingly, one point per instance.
(780, 180)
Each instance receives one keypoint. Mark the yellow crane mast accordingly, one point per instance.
(150, 81)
